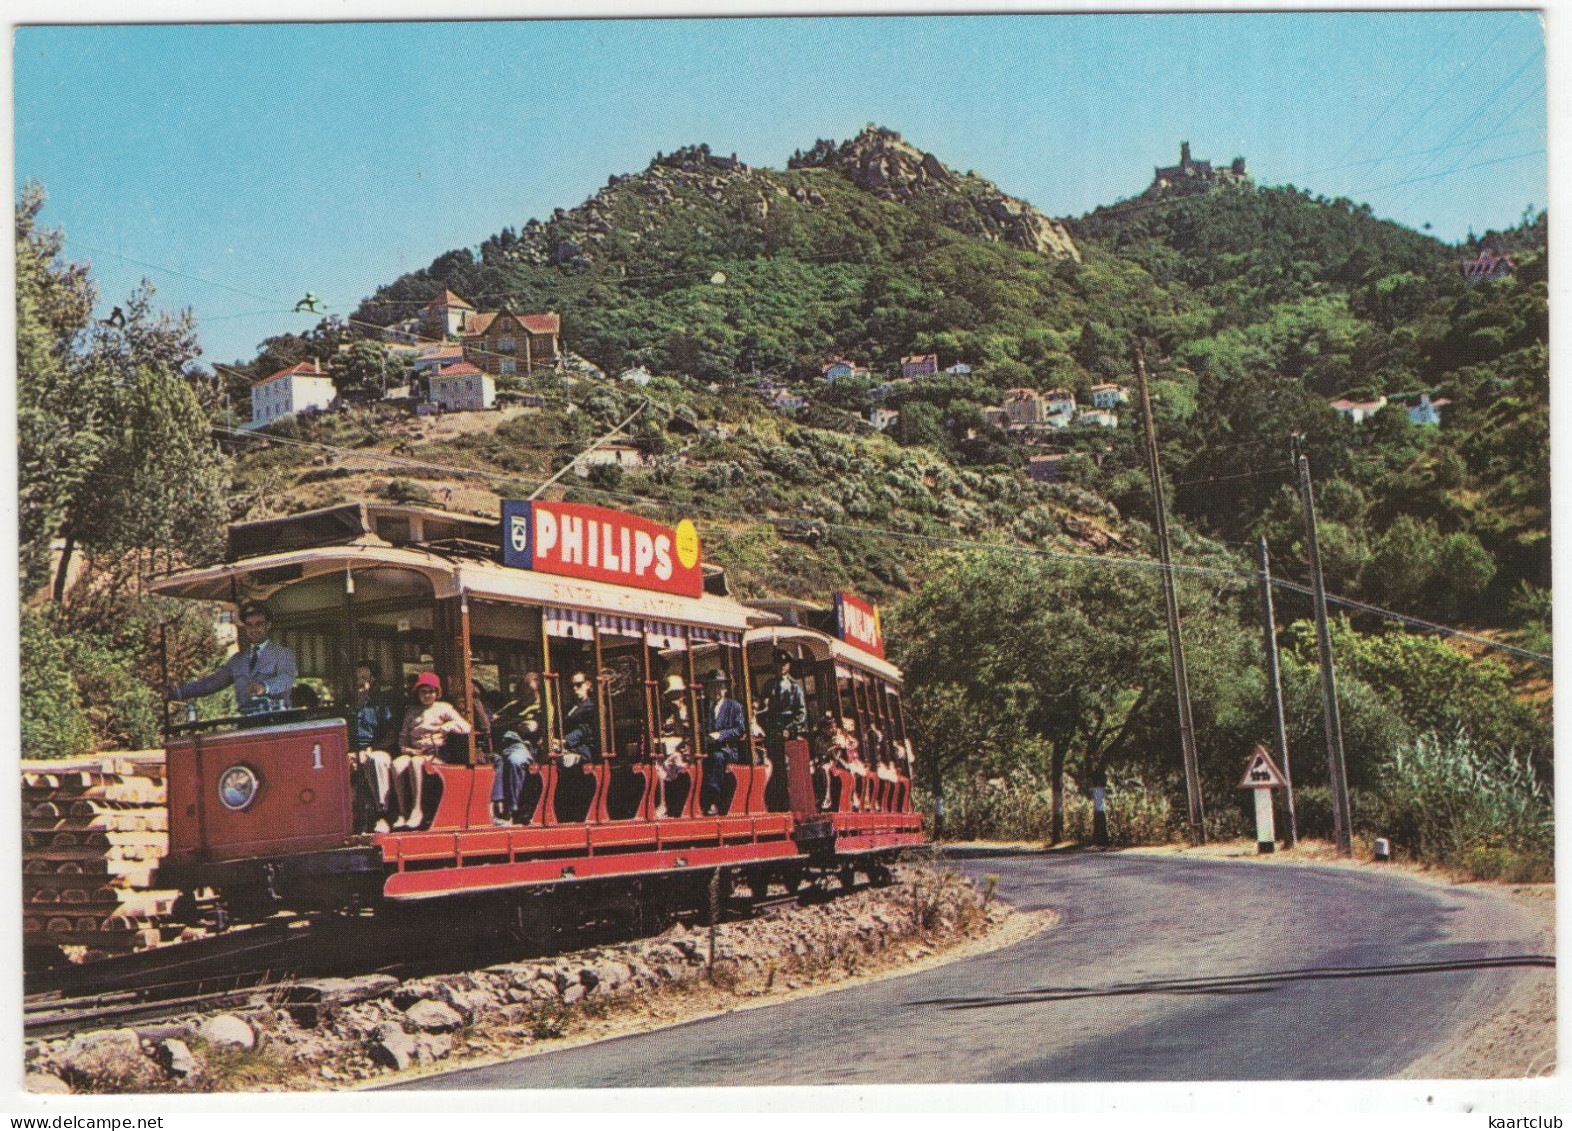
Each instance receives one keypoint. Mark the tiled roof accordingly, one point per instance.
(541, 323)
(447, 298)
(1349, 406)
(459, 369)
(534, 323)
(436, 351)
(304, 369)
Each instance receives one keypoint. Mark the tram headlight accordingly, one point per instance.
(238, 787)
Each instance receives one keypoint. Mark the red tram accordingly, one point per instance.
(262, 813)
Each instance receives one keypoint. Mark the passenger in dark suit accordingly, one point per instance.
(724, 726)
(783, 715)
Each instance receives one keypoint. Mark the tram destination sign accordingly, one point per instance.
(858, 623)
(599, 544)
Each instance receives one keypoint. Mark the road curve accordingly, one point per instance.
(1162, 968)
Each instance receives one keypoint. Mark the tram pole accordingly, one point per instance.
(1275, 681)
(1336, 771)
(565, 468)
(1192, 762)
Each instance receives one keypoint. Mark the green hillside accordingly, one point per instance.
(1255, 308)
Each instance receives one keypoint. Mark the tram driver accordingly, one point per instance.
(261, 672)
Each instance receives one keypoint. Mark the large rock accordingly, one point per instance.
(228, 1030)
(392, 1047)
(43, 1084)
(432, 1016)
(177, 1058)
(109, 1061)
(432, 1046)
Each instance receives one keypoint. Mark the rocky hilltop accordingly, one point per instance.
(720, 195)
(879, 161)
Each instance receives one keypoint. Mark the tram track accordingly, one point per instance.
(278, 962)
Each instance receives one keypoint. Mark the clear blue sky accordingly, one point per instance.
(276, 159)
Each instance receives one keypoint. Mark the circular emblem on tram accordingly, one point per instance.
(687, 544)
(238, 786)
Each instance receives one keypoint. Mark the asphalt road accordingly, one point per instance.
(1162, 968)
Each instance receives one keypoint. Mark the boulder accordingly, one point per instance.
(431, 1016)
(43, 1084)
(177, 1058)
(392, 1047)
(432, 1046)
(109, 1060)
(573, 994)
(227, 1030)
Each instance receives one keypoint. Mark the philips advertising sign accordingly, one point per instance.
(597, 544)
(857, 623)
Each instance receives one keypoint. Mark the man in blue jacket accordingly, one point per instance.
(724, 727)
(262, 672)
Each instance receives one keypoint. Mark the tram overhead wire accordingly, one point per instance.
(1241, 577)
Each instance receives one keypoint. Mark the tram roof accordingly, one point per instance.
(823, 646)
(454, 552)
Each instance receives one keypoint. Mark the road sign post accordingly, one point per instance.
(1262, 775)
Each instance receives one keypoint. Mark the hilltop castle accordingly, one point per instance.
(1191, 176)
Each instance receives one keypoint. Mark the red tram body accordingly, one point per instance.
(261, 809)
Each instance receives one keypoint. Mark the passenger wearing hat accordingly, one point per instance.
(724, 726)
(676, 732)
(261, 672)
(783, 715)
(427, 725)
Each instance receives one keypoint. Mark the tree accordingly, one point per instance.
(115, 451)
(361, 371)
(58, 404)
(1068, 659)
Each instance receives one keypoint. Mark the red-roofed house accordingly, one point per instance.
(920, 365)
(463, 387)
(1359, 411)
(300, 388)
(444, 316)
(432, 356)
(503, 343)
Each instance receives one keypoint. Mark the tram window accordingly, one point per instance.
(504, 648)
(622, 667)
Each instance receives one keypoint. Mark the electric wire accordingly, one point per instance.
(1238, 576)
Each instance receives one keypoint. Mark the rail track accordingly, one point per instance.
(286, 961)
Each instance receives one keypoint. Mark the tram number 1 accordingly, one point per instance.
(316, 755)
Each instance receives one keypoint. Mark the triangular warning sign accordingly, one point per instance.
(1262, 772)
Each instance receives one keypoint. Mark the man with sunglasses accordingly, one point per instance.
(262, 672)
(581, 742)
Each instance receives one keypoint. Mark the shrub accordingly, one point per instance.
(1446, 801)
(406, 491)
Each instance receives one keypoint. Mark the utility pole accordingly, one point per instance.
(1274, 678)
(617, 431)
(1192, 761)
(1336, 772)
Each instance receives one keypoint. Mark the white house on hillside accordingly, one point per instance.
(300, 388)
(1359, 411)
(881, 418)
(463, 387)
(1427, 411)
(1108, 395)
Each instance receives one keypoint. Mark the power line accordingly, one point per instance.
(73, 242)
(1236, 576)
